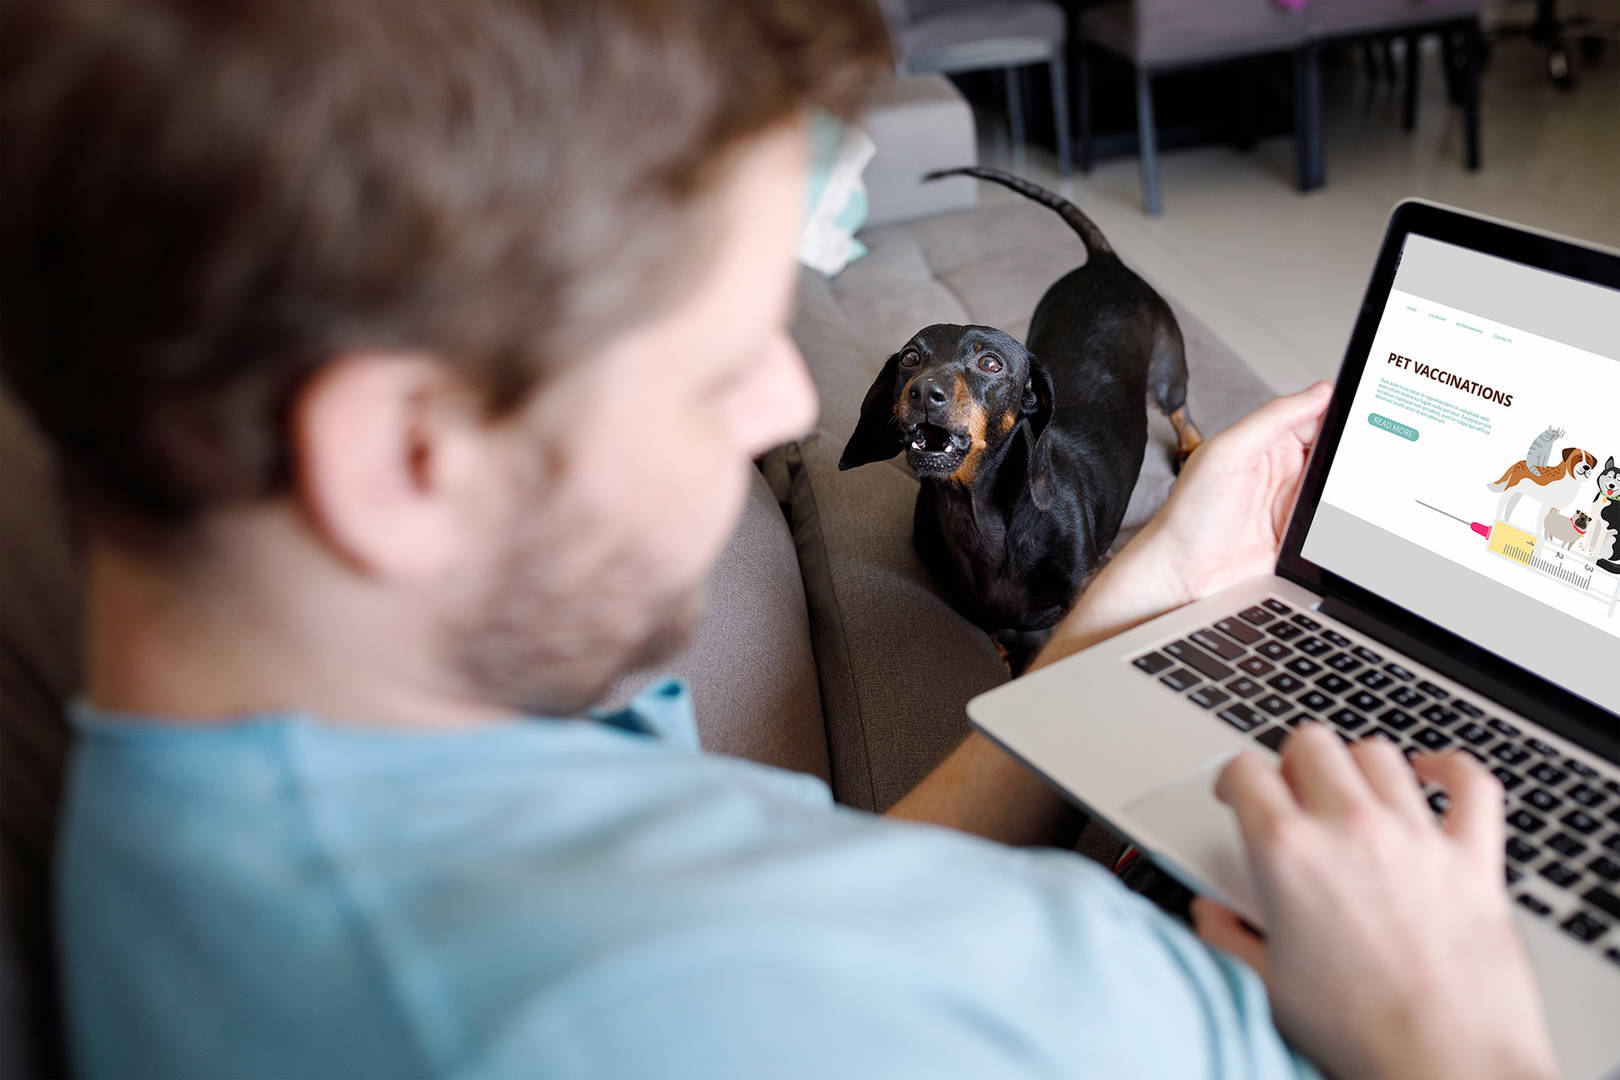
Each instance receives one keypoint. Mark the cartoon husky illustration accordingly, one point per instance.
(1606, 512)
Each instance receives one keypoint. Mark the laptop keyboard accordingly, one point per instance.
(1269, 668)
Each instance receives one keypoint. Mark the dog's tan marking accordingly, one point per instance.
(1008, 422)
(1188, 437)
(976, 421)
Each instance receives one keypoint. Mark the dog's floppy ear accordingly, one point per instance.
(1034, 430)
(877, 436)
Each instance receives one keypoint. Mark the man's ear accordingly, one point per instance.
(877, 436)
(1040, 398)
(384, 447)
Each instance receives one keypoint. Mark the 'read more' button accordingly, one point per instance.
(1394, 427)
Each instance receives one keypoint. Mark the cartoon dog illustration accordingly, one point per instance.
(1607, 511)
(1545, 483)
(1567, 531)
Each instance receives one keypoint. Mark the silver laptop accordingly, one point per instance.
(1450, 578)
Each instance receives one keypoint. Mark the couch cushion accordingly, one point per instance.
(750, 666)
(897, 664)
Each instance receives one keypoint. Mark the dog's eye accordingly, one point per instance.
(989, 363)
(910, 358)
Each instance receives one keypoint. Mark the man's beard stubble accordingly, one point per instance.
(555, 623)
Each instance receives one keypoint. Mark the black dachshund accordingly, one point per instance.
(1028, 456)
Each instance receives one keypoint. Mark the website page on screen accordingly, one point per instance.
(1476, 483)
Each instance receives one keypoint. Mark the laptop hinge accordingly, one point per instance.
(1476, 677)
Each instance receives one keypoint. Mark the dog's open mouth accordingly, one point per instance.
(933, 439)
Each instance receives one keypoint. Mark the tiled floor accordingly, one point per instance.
(1277, 274)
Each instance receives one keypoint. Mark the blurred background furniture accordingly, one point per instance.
(1161, 36)
(955, 36)
(1554, 31)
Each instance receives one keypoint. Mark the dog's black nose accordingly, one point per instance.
(927, 390)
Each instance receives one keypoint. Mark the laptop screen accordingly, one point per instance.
(1476, 481)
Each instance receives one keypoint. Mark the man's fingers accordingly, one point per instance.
(1321, 771)
(1218, 925)
(1475, 816)
(1391, 779)
(1258, 795)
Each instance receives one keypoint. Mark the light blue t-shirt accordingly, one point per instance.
(284, 897)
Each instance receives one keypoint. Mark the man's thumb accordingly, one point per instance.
(1217, 925)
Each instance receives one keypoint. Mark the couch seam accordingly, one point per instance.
(843, 638)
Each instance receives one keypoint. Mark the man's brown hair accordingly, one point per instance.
(201, 203)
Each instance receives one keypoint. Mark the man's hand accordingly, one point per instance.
(1390, 950)
(1223, 523)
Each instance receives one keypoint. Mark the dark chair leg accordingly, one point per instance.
(1248, 106)
(1414, 74)
(1083, 104)
(1308, 117)
(1060, 109)
(1470, 95)
(1015, 108)
(1147, 137)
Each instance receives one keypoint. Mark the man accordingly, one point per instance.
(408, 360)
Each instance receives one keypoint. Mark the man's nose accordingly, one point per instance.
(927, 391)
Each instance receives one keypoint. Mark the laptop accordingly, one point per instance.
(1450, 578)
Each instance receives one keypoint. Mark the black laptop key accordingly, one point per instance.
(1432, 739)
(1525, 821)
(1468, 709)
(1566, 845)
(1219, 644)
(1542, 799)
(1548, 773)
(1367, 654)
(1520, 851)
(1510, 754)
(1581, 822)
(1473, 734)
(1511, 876)
(1241, 717)
(1614, 815)
(1333, 684)
(1312, 646)
(1612, 842)
(1580, 768)
(1315, 700)
(1274, 650)
(1244, 687)
(1397, 719)
(1180, 679)
(1284, 631)
(1399, 672)
(1432, 690)
(1273, 737)
(1338, 639)
(1537, 906)
(1406, 697)
(1501, 727)
(1439, 714)
(1587, 795)
(1612, 954)
(1604, 900)
(1546, 749)
(1238, 630)
(1302, 667)
(1583, 927)
(1285, 683)
(1509, 778)
(1153, 662)
(1374, 680)
(1255, 666)
(1348, 719)
(1207, 697)
(1343, 663)
(1273, 704)
(1199, 660)
(1307, 622)
(1256, 616)
(1278, 606)
(1605, 868)
(1559, 874)
(1613, 786)
(1364, 701)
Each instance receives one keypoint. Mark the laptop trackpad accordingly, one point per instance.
(1196, 838)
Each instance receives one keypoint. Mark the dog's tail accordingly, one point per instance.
(1090, 235)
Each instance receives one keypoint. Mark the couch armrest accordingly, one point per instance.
(919, 123)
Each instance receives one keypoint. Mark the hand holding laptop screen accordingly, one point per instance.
(1391, 950)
